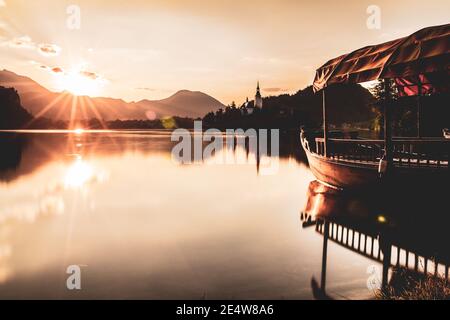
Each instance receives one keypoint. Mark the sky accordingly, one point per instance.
(150, 49)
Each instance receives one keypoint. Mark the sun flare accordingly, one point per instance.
(79, 82)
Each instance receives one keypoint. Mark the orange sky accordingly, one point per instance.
(149, 49)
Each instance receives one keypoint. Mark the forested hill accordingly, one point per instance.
(12, 114)
(346, 104)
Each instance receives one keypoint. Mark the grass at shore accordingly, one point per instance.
(408, 285)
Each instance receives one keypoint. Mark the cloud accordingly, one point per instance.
(274, 89)
(25, 42)
(398, 33)
(55, 70)
(90, 75)
(21, 42)
(266, 60)
(146, 89)
(71, 74)
(47, 49)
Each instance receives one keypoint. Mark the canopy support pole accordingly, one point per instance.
(325, 124)
(419, 93)
(387, 126)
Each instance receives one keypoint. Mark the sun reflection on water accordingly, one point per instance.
(78, 174)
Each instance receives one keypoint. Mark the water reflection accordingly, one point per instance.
(81, 173)
(396, 229)
(40, 147)
(143, 226)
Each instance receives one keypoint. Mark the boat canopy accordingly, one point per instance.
(419, 62)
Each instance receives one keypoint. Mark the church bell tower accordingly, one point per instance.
(258, 98)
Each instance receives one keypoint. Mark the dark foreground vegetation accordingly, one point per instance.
(409, 285)
(12, 114)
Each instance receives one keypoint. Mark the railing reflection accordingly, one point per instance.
(407, 240)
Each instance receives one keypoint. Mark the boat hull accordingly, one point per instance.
(355, 175)
(342, 175)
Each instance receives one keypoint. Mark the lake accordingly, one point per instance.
(141, 225)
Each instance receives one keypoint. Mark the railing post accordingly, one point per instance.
(387, 250)
(325, 124)
(324, 255)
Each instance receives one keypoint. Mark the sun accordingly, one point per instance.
(79, 82)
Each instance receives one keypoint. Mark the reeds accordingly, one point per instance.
(409, 285)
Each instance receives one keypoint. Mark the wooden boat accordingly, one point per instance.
(354, 163)
(339, 173)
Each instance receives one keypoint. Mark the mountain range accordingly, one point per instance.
(41, 102)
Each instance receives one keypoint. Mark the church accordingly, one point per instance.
(258, 103)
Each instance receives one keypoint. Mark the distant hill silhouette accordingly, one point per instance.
(184, 103)
(58, 106)
(12, 114)
(347, 104)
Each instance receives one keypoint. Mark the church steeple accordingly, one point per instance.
(258, 98)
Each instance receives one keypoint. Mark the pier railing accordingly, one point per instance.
(409, 152)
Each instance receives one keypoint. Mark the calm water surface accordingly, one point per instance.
(143, 226)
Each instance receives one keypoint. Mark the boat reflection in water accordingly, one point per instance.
(404, 231)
